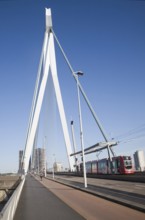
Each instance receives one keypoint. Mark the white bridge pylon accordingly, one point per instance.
(47, 65)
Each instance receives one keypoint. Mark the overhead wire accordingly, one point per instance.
(133, 138)
(133, 131)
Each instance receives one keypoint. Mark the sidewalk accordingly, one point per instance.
(37, 202)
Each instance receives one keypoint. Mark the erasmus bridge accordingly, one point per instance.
(54, 197)
(47, 66)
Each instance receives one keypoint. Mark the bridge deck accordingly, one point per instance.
(37, 202)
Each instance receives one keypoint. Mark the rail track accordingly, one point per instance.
(128, 193)
(136, 177)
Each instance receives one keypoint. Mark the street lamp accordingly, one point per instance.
(74, 144)
(79, 73)
(45, 166)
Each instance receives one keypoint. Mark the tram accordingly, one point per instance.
(118, 165)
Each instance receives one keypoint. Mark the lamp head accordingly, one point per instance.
(80, 73)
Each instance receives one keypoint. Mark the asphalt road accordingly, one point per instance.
(122, 192)
(89, 206)
(47, 199)
(37, 202)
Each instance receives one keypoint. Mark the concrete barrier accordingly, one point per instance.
(9, 209)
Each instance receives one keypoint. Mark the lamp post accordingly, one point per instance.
(79, 73)
(45, 166)
(74, 144)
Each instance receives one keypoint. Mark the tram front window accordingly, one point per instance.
(128, 164)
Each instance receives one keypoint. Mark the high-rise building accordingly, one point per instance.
(20, 161)
(139, 159)
(39, 159)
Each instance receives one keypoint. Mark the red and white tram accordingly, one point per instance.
(118, 165)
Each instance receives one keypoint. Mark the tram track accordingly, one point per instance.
(130, 198)
(136, 177)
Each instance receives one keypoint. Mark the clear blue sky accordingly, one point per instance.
(105, 39)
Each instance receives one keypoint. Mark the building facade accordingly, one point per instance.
(20, 161)
(139, 159)
(39, 160)
(57, 167)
